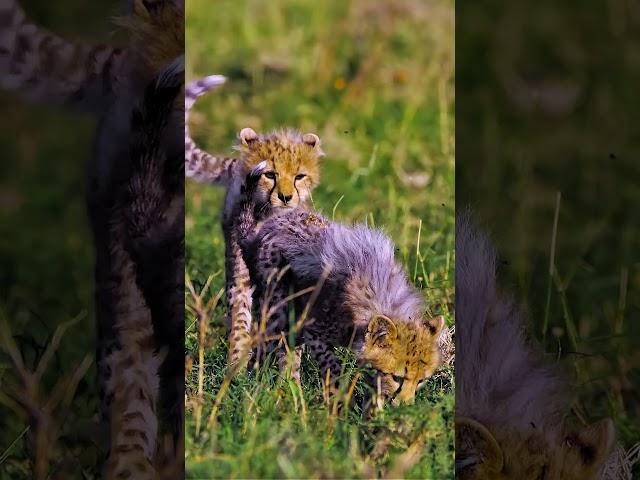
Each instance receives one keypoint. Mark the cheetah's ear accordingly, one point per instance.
(476, 448)
(248, 136)
(144, 8)
(593, 443)
(435, 325)
(382, 330)
(311, 139)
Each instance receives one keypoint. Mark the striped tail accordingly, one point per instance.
(129, 367)
(134, 422)
(198, 164)
(46, 68)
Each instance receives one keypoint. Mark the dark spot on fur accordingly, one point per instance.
(132, 415)
(588, 454)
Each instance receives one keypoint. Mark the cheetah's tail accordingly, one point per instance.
(199, 164)
(46, 68)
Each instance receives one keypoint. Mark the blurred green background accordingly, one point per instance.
(374, 80)
(547, 103)
(46, 257)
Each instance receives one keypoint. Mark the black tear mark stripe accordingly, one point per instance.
(395, 394)
(275, 184)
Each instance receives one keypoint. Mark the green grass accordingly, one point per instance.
(513, 161)
(46, 257)
(375, 81)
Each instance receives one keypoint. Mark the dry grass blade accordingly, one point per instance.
(25, 397)
(6, 453)
(312, 298)
(54, 344)
(408, 459)
(218, 401)
(9, 345)
(65, 389)
(287, 299)
(202, 309)
(202, 335)
(9, 402)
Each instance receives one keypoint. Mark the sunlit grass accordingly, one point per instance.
(375, 81)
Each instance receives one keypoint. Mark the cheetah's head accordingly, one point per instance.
(292, 170)
(403, 354)
(501, 452)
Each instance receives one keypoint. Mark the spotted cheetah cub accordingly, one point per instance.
(364, 300)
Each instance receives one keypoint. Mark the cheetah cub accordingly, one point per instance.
(362, 298)
(511, 403)
(293, 171)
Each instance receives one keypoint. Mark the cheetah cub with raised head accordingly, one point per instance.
(363, 299)
(293, 171)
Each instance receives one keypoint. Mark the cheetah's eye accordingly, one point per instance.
(270, 175)
(300, 176)
(397, 378)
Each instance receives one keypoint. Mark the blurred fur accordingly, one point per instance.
(511, 403)
(156, 30)
(46, 68)
(147, 260)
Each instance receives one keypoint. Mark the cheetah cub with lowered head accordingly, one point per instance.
(363, 299)
(512, 405)
(292, 172)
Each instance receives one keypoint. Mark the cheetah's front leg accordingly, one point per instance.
(323, 353)
(239, 304)
(272, 308)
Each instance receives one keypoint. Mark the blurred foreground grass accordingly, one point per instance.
(46, 265)
(375, 81)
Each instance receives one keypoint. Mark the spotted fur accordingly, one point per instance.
(510, 403)
(364, 299)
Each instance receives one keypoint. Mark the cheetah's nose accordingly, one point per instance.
(284, 198)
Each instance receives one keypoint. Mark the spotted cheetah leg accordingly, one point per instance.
(326, 358)
(274, 284)
(239, 304)
(272, 315)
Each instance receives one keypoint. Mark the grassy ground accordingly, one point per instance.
(375, 81)
(549, 110)
(46, 263)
